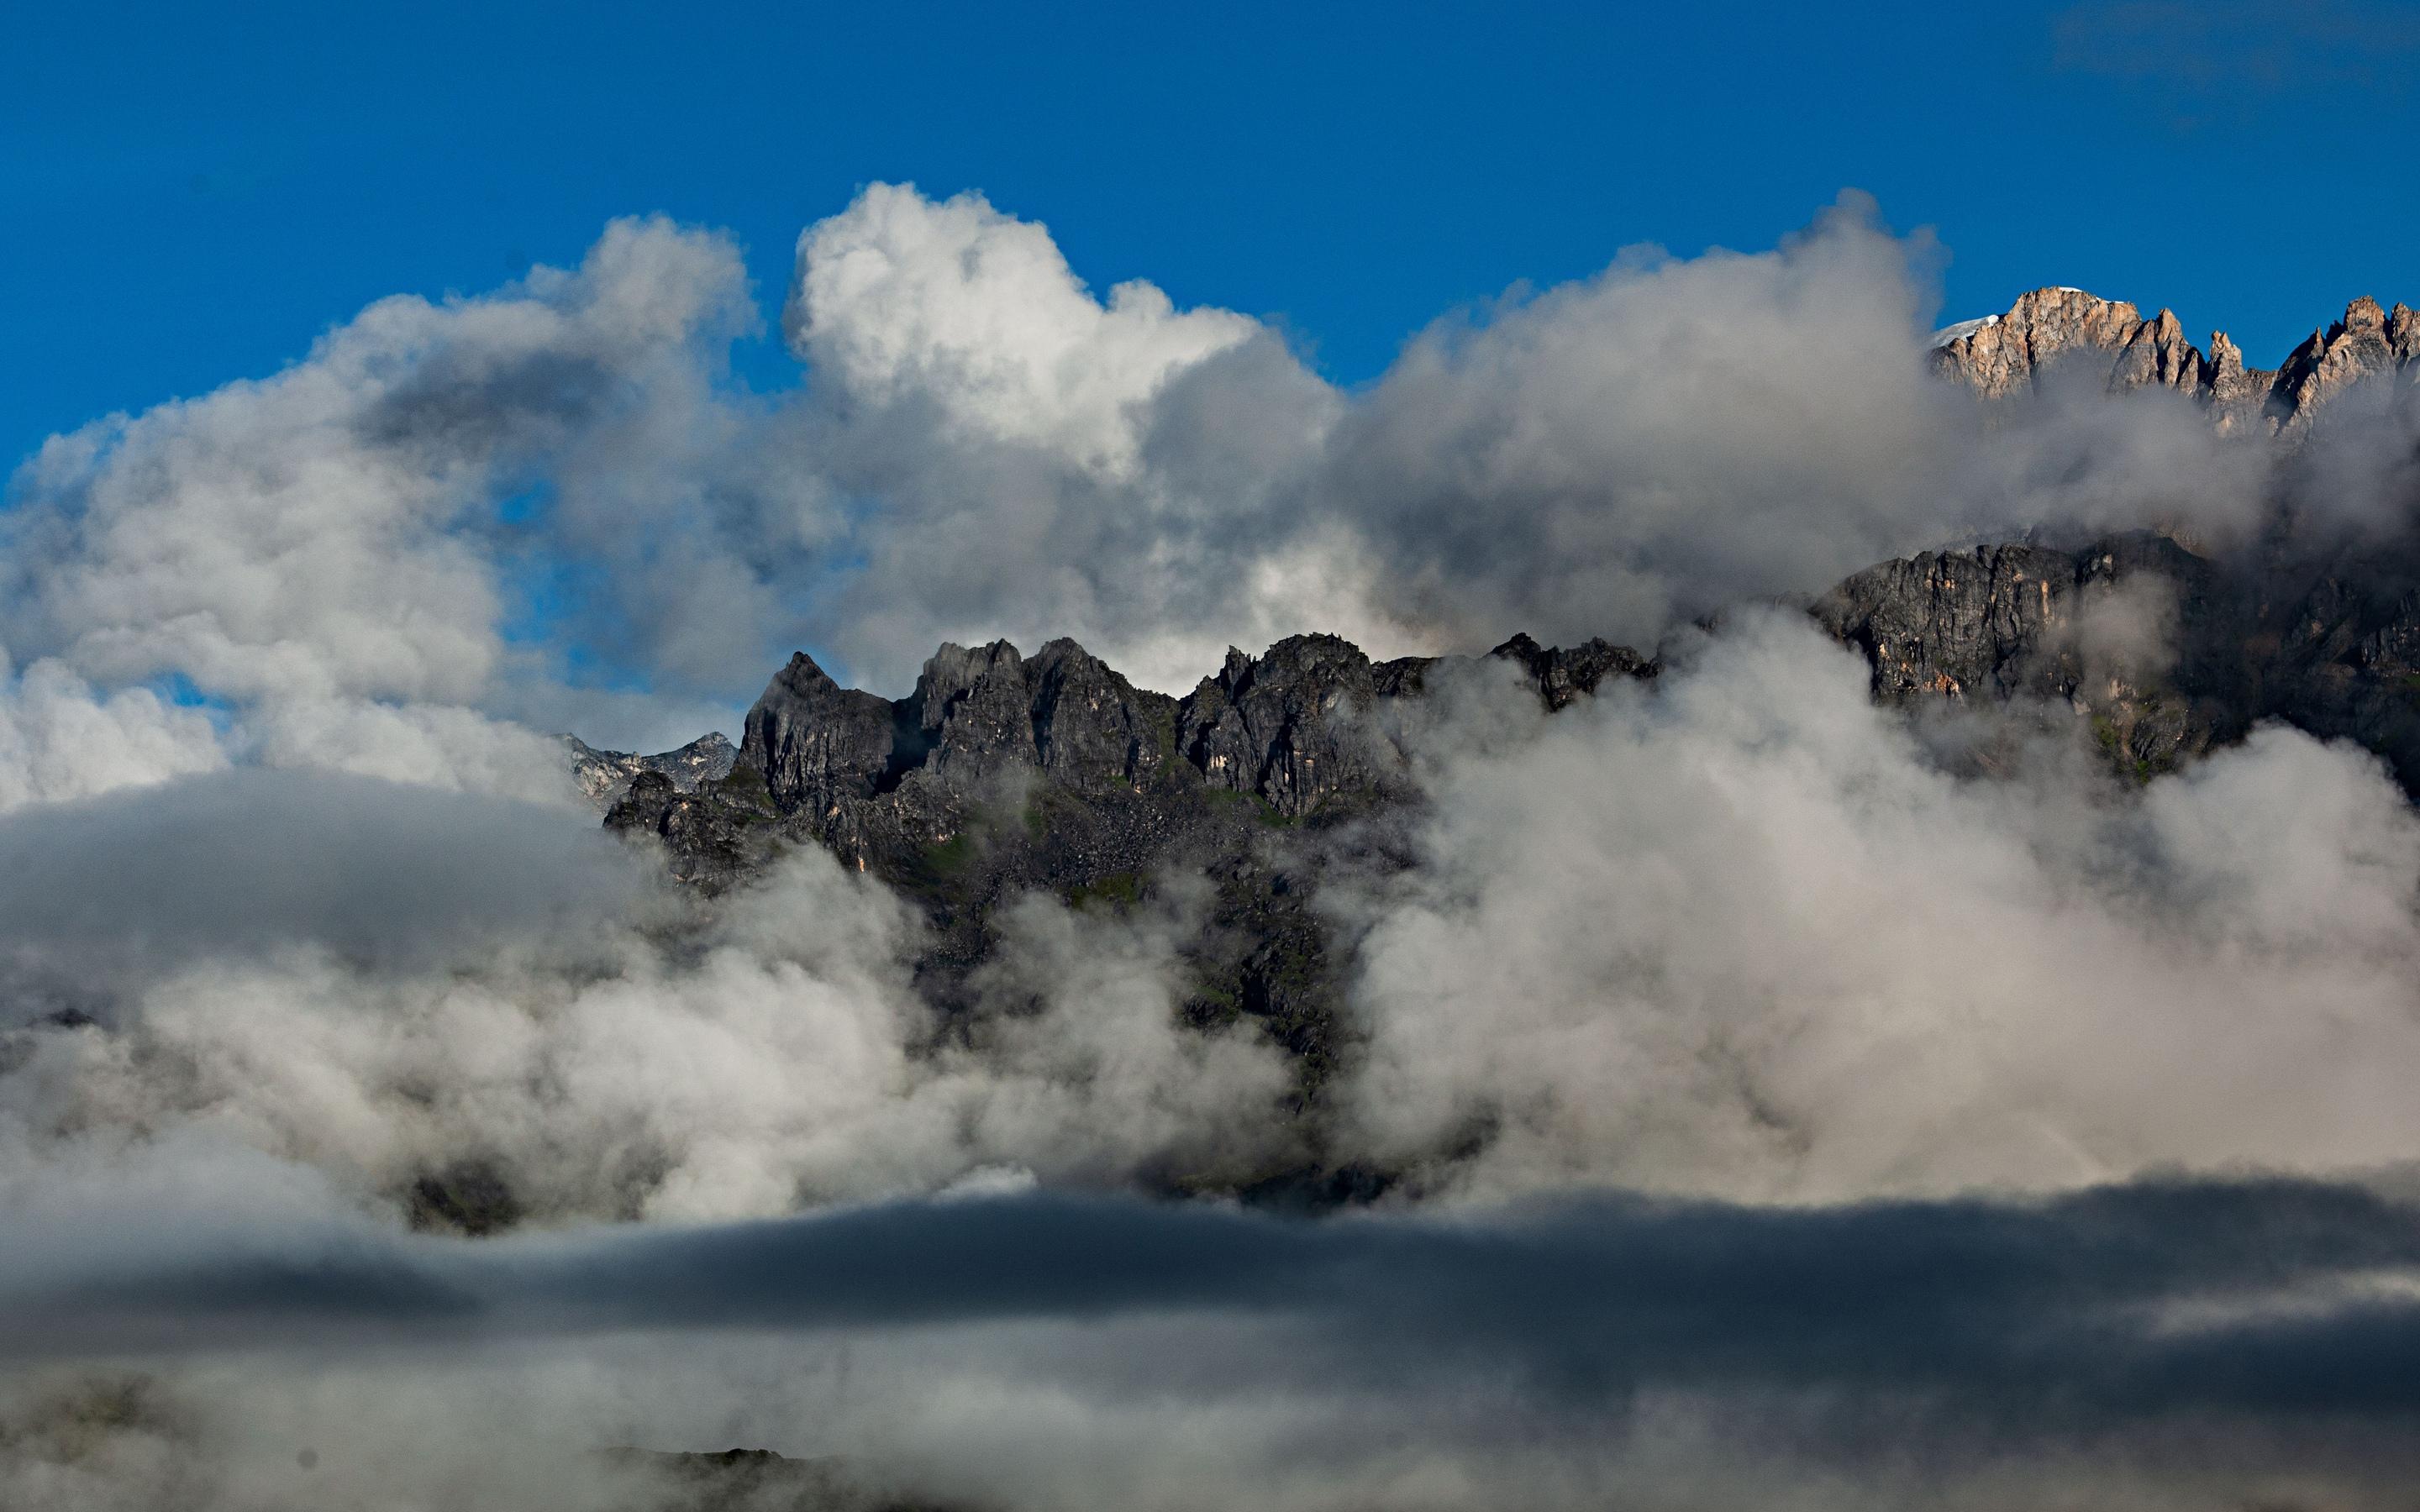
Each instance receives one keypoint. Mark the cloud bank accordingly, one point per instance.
(1745, 933)
(2140, 1343)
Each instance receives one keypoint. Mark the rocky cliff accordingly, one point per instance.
(2112, 343)
(2160, 652)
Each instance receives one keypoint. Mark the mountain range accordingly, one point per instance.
(2001, 356)
(1003, 774)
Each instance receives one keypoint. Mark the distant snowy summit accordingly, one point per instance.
(605, 776)
(2060, 328)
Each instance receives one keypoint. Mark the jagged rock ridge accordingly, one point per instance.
(1000, 775)
(2003, 355)
(605, 776)
(875, 778)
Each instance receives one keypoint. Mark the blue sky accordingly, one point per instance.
(193, 194)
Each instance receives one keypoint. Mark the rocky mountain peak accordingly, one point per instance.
(606, 776)
(2005, 356)
(808, 734)
(879, 780)
(1563, 675)
(1000, 775)
(1278, 726)
(973, 710)
(2367, 341)
(2002, 354)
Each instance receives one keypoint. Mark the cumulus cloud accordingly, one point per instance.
(1554, 461)
(395, 986)
(1050, 463)
(1161, 482)
(60, 739)
(323, 551)
(1740, 933)
(954, 305)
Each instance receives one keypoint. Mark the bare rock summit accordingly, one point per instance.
(2050, 329)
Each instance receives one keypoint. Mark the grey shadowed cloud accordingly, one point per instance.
(2158, 1297)
(244, 861)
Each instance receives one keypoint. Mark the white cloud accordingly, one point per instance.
(1661, 438)
(322, 546)
(391, 982)
(60, 739)
(903, 300)
(1739, 935)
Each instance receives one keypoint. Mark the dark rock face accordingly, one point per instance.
(1000, 775)
(883, 784)
(810, 735)
(2014, 622)
(719, 835)
(1089, 723)
(1951, 622)
(606, 776)
(2327, 640)
(1282, 729)
(1561, 676)
(2004, 355)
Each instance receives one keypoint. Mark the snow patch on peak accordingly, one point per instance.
(1963, 329)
